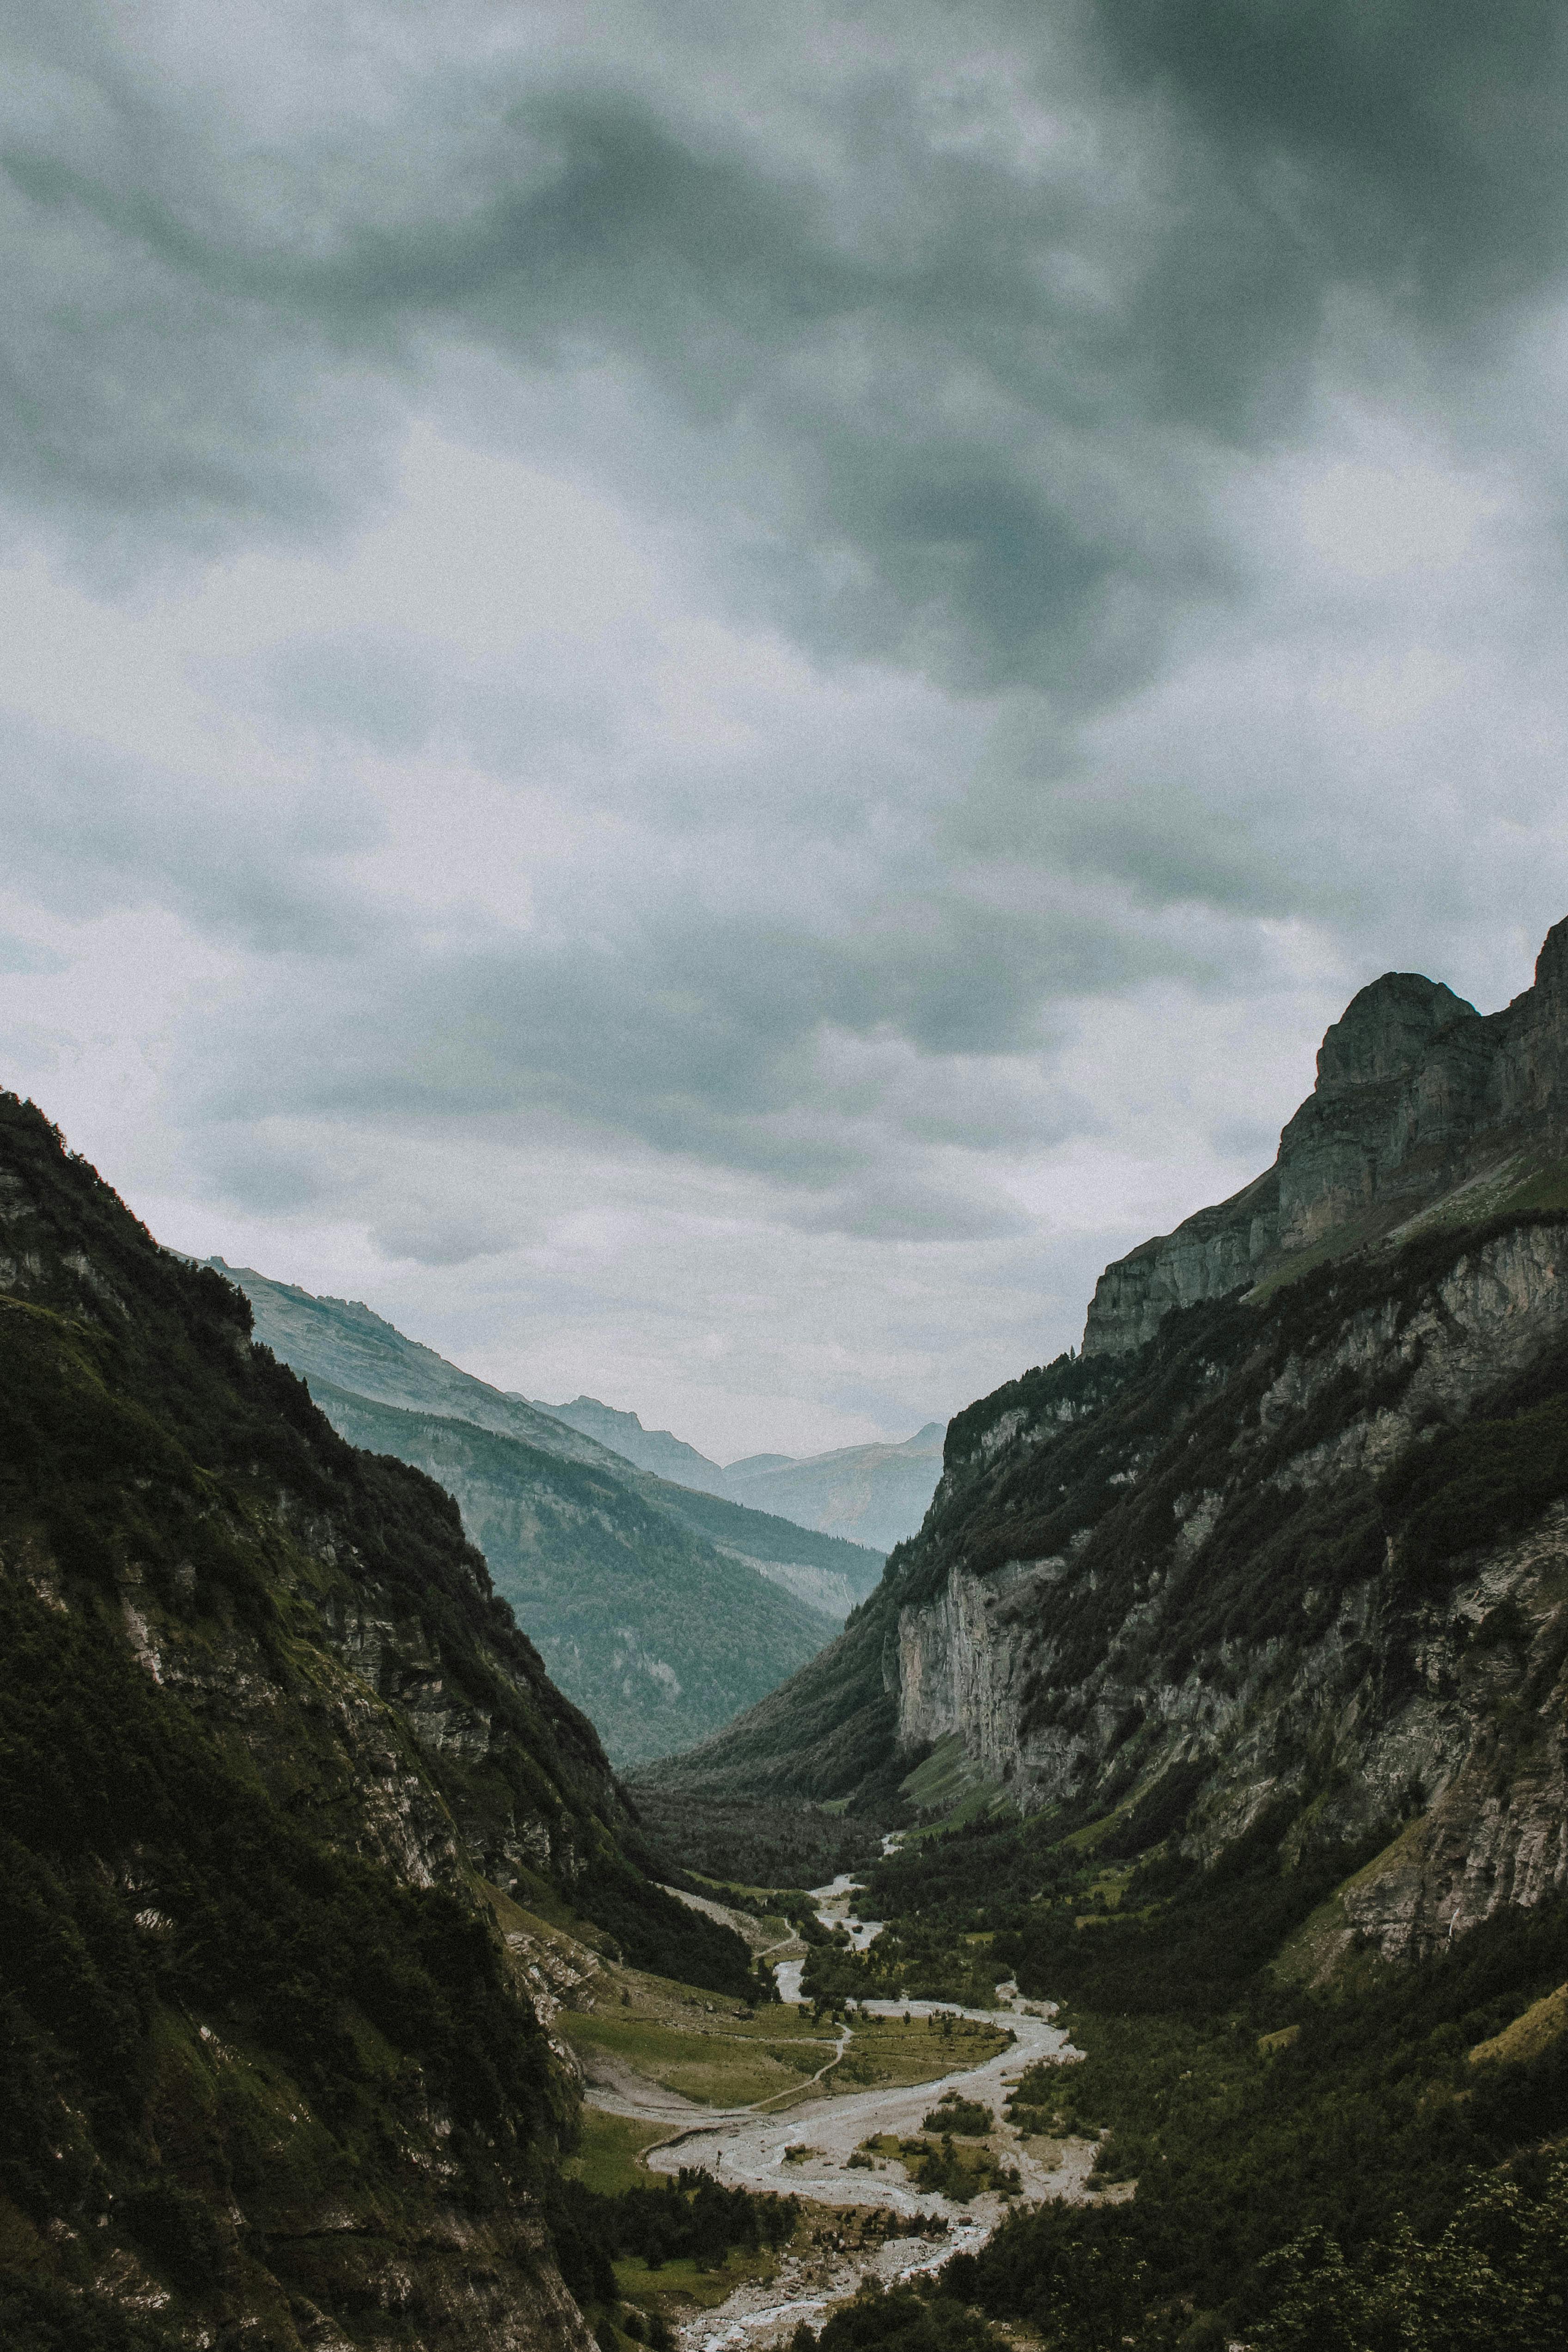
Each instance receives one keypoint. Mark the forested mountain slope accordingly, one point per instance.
(655, 1634)
(1294, 1566)
(662, 1611)
(269, 2073)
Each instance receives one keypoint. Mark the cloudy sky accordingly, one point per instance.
(705, 695)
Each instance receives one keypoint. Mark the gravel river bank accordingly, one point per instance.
(807, 2151)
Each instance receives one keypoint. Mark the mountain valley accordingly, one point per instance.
(1215, 1718)
(660, 1609)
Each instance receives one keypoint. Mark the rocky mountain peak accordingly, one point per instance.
(1386, 1027)
(1420, 1100)
(1551, 963)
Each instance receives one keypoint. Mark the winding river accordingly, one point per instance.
(808, 2152)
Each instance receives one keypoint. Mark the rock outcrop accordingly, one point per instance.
(1366, 1695)
(1421, 1109)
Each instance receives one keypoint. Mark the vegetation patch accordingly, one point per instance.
(966, 2117)
(611, 2151)
(1530, 2034)
(913, 2318)
(1290, 2146)
(959, 2174)
(684, 2241)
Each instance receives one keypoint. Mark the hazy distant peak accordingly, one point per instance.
(345, 1342)
(658, 1450)
(925, 1440)
(875, 1494)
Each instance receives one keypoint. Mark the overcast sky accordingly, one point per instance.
(705, 695)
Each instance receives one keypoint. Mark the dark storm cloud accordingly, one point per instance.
(947, 342)
(722, 1041)
(956, 387)
(1415, 144)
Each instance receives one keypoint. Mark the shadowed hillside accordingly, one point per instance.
(268, 2073)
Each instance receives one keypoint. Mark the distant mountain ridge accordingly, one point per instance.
(657, 1450)
(875, 1495)
(661, 1610)
(648, 1627)
(346, 1343)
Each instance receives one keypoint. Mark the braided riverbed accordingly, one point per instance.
(808, 2152)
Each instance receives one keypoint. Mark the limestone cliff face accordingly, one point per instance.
(1422, 1107)
(962, 1661)
(1200, 1573)
(1284, 1559)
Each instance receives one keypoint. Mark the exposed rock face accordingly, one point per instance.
(1297, 1556)
(1419, 1101)
(1213, 1252)
(1384, 1031)
(1392, 1700)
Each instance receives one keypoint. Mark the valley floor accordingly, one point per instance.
(818, 2140)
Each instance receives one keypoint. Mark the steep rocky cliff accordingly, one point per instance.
(1294, 1565)
(272, 1751)
(1423, 1110)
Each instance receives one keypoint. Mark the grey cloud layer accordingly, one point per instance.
(953, 366)
(87, 828)
(960, 384)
